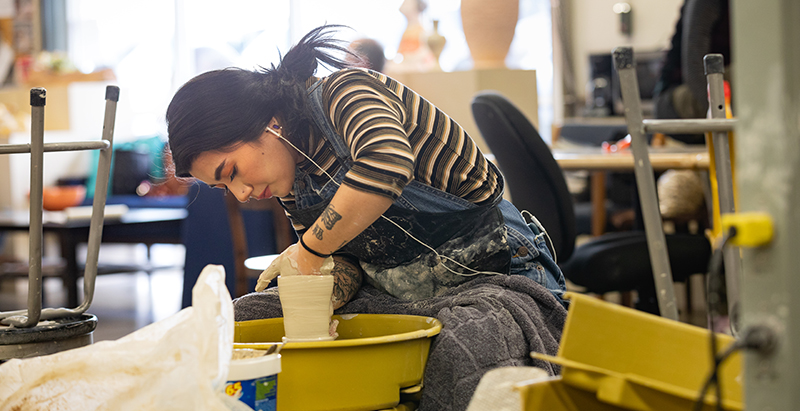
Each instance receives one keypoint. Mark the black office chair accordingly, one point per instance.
(611, 262)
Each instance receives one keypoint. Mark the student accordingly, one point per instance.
(370, 51)
(367, 170)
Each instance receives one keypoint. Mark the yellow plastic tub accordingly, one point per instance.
(640, 361)
(374, 357)
(554, 395)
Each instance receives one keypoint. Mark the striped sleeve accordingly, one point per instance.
(371, 120)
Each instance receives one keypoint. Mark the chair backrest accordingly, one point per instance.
(533, 177)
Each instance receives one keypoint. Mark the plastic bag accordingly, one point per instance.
(179, 363)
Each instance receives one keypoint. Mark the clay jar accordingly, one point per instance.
(307, 307)
(489, 28)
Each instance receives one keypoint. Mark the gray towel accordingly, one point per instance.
(488, 322)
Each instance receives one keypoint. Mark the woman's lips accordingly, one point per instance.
(265, 194)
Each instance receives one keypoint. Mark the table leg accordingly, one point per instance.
(598, 194)
(69, 251)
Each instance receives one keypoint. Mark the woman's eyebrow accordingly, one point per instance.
(218, 171)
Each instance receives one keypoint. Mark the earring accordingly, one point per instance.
(273, 128)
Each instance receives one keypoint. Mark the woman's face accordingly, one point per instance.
(260, 169)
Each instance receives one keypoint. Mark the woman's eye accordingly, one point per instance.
(233, 173)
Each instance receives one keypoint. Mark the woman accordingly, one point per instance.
(367, 170)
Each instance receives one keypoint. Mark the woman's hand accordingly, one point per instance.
(347, 274)
(294, 261)
(307, 263)
(350, 212)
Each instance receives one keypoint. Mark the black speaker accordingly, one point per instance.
(599, 96)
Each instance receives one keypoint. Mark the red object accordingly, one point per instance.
(618, 146)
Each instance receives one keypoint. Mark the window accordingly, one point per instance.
(155, 46)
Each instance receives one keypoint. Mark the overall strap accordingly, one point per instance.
(321, 119)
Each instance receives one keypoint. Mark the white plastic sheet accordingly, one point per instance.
(179, 363)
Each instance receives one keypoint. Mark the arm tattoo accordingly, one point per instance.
(346, 281)
(316, 231)
(330, 217)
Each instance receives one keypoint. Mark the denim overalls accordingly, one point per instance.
(470, 240)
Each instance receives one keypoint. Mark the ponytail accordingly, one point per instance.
(318, 45)
(222, 109)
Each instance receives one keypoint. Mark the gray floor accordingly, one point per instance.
(123, 303)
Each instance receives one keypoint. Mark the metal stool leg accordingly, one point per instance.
(714, 66)
(71, 327)
(645, 181)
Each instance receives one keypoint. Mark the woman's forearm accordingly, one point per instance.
(347, 277)
(348, 214)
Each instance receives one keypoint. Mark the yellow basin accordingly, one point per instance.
(374, 357)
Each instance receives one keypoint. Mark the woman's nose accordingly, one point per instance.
(241, 192)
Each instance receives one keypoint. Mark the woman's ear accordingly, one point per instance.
(274, 124)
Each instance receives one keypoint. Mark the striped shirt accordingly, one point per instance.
(394, 136)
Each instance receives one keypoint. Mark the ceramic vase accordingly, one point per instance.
(436, 43)
(413, 49)
(489, 28)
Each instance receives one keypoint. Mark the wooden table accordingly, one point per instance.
(598, 162)
(661, 159)
(137, 226)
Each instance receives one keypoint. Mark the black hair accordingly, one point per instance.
(222, 109)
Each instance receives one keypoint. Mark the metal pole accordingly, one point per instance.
(715, 67)
(100, 192)
(766, 93)
(646, 183)
(688, 126)
(38, 98)
(52, 147)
